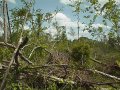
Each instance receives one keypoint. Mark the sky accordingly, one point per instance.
(66, 17)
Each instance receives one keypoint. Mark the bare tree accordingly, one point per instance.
(5, 21)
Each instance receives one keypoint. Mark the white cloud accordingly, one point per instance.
(26, 27)
(102, 2)
(61, 17)
(63, 20)
(117, 1)
(81, 34)
(1, 29)
(1, 20)
(68, 1)
(1, 24)
(100, 25)
(65, 1)
(51, 30)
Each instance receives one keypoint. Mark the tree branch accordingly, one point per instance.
(105, 74)
(19, 53)
(21, 43)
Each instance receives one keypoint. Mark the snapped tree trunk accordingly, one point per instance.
(5, 21)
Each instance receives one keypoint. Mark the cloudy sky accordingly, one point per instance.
(66, 17)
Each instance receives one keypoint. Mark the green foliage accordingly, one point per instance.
(52, 86)
(94, 1)
(81, 52)
(5, 53)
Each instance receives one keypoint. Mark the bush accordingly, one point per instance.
(80, 52)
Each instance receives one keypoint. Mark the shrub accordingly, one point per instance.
(80, 52)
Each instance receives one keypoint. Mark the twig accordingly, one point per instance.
(48, 65)
(98, 62)
(24, 58)
(7, 45)
(105, 83)
(61, 80)
(37, 48)
(33, 51)
(26, 46)
(105, 74)
(54, 78)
